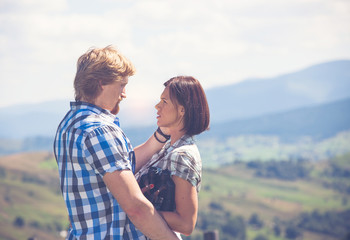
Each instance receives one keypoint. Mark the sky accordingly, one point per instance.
(219, 42)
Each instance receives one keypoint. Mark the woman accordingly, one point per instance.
(183, 111)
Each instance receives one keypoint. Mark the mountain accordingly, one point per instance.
(319, 122)
(317, 84)
(42, 119)
(312, 132)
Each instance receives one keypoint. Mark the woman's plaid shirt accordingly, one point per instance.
(88, 144)
(182, 159)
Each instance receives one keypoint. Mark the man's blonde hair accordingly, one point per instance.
(97, 67)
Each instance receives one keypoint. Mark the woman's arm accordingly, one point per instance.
(184, 219)
(145, 151)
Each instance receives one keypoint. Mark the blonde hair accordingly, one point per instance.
(97, 67)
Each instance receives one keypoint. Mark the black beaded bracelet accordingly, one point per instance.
(167, 137)
(155, 135)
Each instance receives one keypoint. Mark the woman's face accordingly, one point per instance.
(168, 114)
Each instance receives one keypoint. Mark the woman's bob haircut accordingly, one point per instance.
(188, 92)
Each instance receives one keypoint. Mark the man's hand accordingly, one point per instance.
(140, 211)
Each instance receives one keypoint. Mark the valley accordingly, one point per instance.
(232, 195)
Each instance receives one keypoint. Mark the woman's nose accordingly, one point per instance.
(157, 106)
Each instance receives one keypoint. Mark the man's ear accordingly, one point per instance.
(100, 84)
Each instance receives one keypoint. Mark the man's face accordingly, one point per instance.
(112, 94)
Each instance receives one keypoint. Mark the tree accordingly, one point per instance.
(2, 172)
(255, 221)
(277, 230)
(235, 228)
(19, 222)
(215, 206)
(292, 232)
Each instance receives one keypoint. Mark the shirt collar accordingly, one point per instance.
(184, 140)
(79, 105)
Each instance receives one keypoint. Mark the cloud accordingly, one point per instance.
(219, 42)
(31, 6)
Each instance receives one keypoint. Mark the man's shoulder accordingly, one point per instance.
(93, 122)
(83, 121)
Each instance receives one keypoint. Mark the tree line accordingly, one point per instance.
(284, 170)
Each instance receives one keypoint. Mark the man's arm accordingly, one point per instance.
(140, 211)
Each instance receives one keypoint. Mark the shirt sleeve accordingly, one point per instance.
(105, 152)
(186, 167)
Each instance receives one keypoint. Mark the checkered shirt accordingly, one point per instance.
(182, 159)
(88, 144)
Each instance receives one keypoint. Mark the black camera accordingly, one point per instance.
(159, 188)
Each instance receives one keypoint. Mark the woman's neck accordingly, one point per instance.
(175, 135)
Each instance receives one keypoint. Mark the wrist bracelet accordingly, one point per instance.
(167, 137)
(155, 135)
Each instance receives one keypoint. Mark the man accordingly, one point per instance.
(96, 160)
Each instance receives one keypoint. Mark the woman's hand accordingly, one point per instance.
(144, 152)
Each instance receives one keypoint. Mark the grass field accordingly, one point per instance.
(216, 152)
(30, 192)
(238, 191)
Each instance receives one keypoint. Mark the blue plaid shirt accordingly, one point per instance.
(88, 144)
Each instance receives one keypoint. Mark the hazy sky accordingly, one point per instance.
(219, 42)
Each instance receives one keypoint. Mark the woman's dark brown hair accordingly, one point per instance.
(188, 92)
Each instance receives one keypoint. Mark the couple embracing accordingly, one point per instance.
(99, 169)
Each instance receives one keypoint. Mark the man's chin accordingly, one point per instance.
(115, 110)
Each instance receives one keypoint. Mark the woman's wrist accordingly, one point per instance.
(159, 136)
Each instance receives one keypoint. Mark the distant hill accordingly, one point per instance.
(317, 84)
(319, 122)
(42, 119)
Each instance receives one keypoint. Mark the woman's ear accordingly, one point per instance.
(182, 110)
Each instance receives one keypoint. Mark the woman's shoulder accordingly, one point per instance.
(186, 155)
(190, 150)
(185, 162)
(185, 144)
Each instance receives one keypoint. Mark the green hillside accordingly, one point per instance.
(30, 204)
(236, 189)
(218, 151)
(233, 199)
